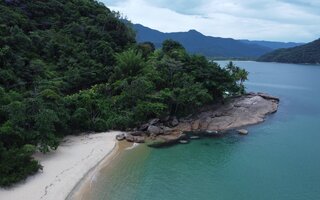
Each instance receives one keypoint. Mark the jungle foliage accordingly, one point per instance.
(74, 66)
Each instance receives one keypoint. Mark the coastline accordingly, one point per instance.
(236, 112)
(83, 187)
(65, 168)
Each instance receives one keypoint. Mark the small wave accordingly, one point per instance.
(93, 179)
(134, 145)
(292, 87)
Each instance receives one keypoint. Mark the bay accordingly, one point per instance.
(279, 159)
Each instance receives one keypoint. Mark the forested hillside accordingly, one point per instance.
(73, 66)
(273, 45)
(308, 53)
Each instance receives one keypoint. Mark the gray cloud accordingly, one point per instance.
(279, 20)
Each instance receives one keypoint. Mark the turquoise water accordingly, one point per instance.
(279, 159)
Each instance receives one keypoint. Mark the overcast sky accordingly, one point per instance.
(276, 20)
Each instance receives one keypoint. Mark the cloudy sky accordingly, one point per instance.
(276, 20)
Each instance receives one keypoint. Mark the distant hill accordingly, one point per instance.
(216, 47)
(273, 45)
(196, 42)
(308, 53)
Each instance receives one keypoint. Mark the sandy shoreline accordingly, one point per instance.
(84, 187)
(64, 168)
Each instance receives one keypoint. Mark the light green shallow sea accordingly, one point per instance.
(278, 160)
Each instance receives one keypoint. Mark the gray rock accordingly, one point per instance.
(144, 127)
(137, 133)
(267, 96)
(120, 137)
(166, 130)
(243, 131)
(236, 112)
(195, 125)
(154, 130)
(183, 141)
(129, 137)
(139, 139)
(184, 127)
(154, 121)
(174, 122)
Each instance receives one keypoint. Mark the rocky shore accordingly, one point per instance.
(213, 120)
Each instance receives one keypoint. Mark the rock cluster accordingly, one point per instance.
(213, 120)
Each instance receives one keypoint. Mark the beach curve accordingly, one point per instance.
(64, 168)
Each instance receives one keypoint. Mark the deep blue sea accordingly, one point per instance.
(278, 160)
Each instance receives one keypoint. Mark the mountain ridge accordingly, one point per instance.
(198, 43)
(273, 44)
(308, 53)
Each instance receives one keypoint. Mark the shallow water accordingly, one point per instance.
(279, 159)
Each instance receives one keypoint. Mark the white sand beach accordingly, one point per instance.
(63, 168)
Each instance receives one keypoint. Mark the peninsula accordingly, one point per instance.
(305, 54)
(212, 120)
(84, 72)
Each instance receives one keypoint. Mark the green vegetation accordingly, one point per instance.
(308, 53)
(73, 66)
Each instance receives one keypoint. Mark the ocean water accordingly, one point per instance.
(278, 160)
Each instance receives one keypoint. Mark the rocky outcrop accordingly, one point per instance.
(155, 130)
(165, 140)
(132, 137)
(211, 120)
(237, 112)
(120, 137)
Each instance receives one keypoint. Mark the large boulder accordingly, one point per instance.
(184, 127)
(154, 130)
(129, 137)
(136, 139)
(166, 130)
(166, 140)
(174, 122)
(195, 125)
(120, 137)
(139, 139)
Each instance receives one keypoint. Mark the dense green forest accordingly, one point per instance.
(308, 53)
(71, 66)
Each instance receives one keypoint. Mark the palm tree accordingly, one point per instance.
(242, 75)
